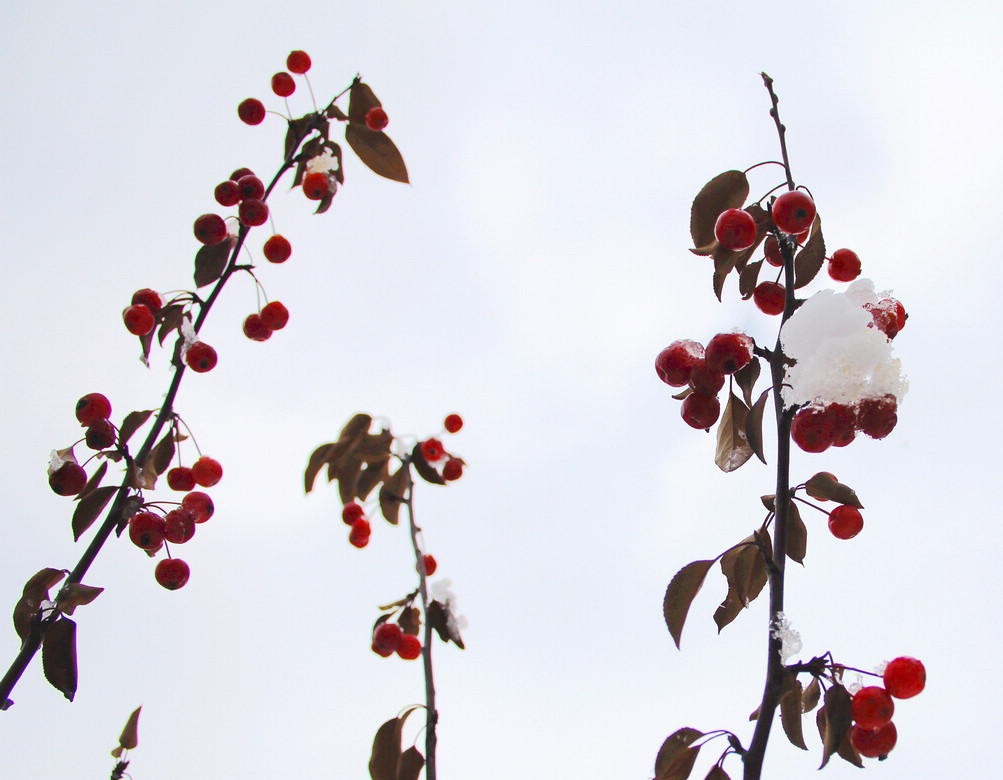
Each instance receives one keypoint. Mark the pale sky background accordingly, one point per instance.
(526, 279)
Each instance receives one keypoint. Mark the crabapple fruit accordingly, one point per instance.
(770, 297)
(149, 298)
(138, 319)
(227, 193)
(146, 530)
(430, 565)
(877, 416)
(199, 504)
(252, 212)
(210, 229)
(845, 522)
(298, 61)
(701, 410)
(812, 429)
(872, 707)
(844, 265)
(100, 435)
(772, 250)
(68, 480)
(207, 471)
(255, 329)
(409, 647)
(275, 315)
(316, 185)
(703, 380)
(843, 421)
(676, 362)
(240, 173)
(376, 118)
(452, 423)
(904, 677)
(283, 84)
(277, 249)
(735, 230)
(179, 526)
(727, 353)
(359, 535)
(251, 111)
(91, 407)
(180, 478)
(874, 743)
(172, 573)
(387, 637)
(432, 450)
(793, 212)
(250, 186)
(352, 512)
(200, 357)
(453, 469)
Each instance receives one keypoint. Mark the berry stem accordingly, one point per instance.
(781, 129)
(431, 715)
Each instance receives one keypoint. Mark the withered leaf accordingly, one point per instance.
(754, 425)
(790, 710)
(377, 151)
(797, 534)
(834, 720)
(318, 458)
(361, 98)
(93, 482)
(298, 130)
(748, 279)
(810, 697)
(171, 317)
(386, 751)
(89, 508)
(161, 456)
(129, 737)
(74, 595)
(717, 773)
(438, 619)
(746, 378)
(372, 475)
(210, 262)
(680, 594)
(410, 764)
(392, 494)
(133, 422)
(348, 477)
(725, 191)
(674, 761)
(35, 591)
(336, 113)
(410, 620)
(425, 471)
(733, 449)
(59, 656)
(745, 569)
(808, 261)
(825, 486)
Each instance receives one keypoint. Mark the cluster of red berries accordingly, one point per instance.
(354, 516)
(389, 638)
(68, 478)
(687, 362)
(146, 310)
(873, 734)
(252, 110)
(793, 213)
(817, 427)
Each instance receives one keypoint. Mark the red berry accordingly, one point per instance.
(703, 380)
(812, 429)
(735, 229)
(138, 319)
(68, 480)
(701, 410)
(146, 530)
(199, 504)
(316, 185)
(255, 329)
(877, 416)
(905, 677)
(675, 363)
(91, 407)
(844, 265)
(432, 450)
(387, 637)
(200, 357)
(376, 118)
(251, 111)
(179, 526)
(100, 435)
(430, 565)
(409, 647)
(874, 743)
(793, 212)
(227, 193)
(240, 173)
(872, 707)
(275, 315)
(180, 478)
(250, 186)
(298, 61)
(359, 535)
(210, 229)
(453, 469)
(149, 298)
(352, 512)
(283, 84)
(172, 573)
(727, 353)
(770, 297)
(380, 651)
(277, 249)
(845, 522)
(772, 249)
(207, 471)
(453, 423)
(252, 212)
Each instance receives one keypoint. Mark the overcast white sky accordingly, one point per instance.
(526, 279)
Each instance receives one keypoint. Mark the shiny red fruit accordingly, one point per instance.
(905, 677)
(877, 416)
(735, 229)
(793, 212)
(387, 637)
(180, 478)
(772, 250)
(275, 315)
(207, 471)
(727, 353)
(252, 212)
(409, 648)
(432, 450)
(676, 362)
(250, 186)
(210, 229)
(298, 61)
(770, 297)
(844, 265)
(316, 185)
(172, 573)
(251, 111)
(68, 480)
(100, 435)
(352, 512)
(138, 319)
(277, 249)
(453, 423)
(200, 357)
(845, 522)
(359, 535)
(283, 84)
(812, 429)
(376, 118)
(453, 470)
(91, 407)
(179, 526)
(255, 329)
(227, 193)
(874, 743)
(430, 565)
(199, 504)
(872, 707)
(703, 380)
(149, 298)
(701, 410)
(146, 530)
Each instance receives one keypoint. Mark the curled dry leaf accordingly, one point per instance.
(791, 710)
(35, 591)
(59, 656)
(133, 422)
(733, 450)
(754, 425)
(89, 508)
(822, 485)
(410, 764)
(74, 595)
(808, 261)
(129, 738)
(377, 151)
(834, 720)
(680, 594)
(797, 534)
(393, 492)
(438, 619)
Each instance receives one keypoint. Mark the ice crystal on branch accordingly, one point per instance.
(841, 357)
(790, 640)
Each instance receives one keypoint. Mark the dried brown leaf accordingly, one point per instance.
(410, 764)
(754, 425)
(725, 191)
(746, 378)
(410, 620)
(808, 261)
(133, 422)
(717, 773)
(791, 711)
(438, 619)
(797, 534)
(733, 449)
(680, 594)
(749, 278)
(372, 475)
(74, 595)
(59, 656)
(348, 478)
(377, 151)
(824, 486)
(93, 482)
(170, 320)
(810, 697)
(361, 98)
(392, 493)
(129, 738)
(210, 262)
(160, 458)
(386, 751)
(298, 130)
(834, 719)
(35, 591)
(318, 458)
(673, 756)
(425, 471)
(89, 508)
